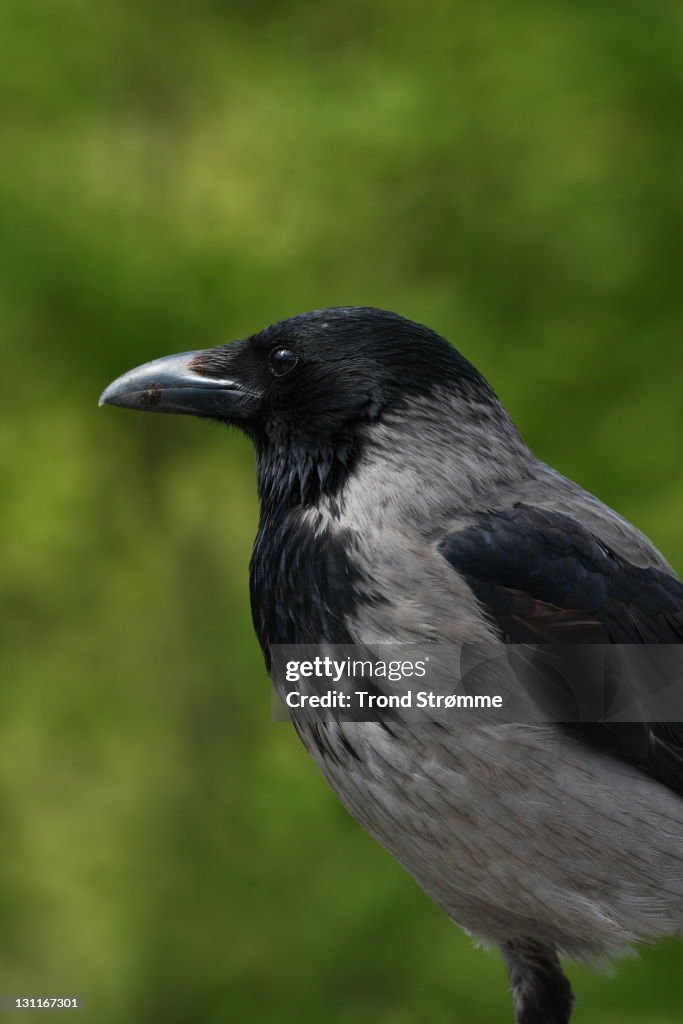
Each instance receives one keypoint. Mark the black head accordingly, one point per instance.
(304, 389)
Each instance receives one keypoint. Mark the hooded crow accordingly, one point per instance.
(399, 503)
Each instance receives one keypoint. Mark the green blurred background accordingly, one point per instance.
(172, 176)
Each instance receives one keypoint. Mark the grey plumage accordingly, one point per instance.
(376, 443)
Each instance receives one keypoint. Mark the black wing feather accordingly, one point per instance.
(542, 577)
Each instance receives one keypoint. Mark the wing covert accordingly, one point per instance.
(541, 577)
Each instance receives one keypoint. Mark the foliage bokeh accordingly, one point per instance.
(174, 176)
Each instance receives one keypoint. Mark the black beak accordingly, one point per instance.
(172, 385)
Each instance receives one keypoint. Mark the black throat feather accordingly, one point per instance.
(305, 574)
(306, 580)
(301, 472)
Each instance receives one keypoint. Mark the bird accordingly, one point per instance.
(399, 503)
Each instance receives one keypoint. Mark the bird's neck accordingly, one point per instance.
(326, 515)
(436, 459)
(445, 446)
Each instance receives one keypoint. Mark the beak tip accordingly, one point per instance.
(108, 396)
(124, 392)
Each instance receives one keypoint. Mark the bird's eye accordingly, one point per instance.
(282, 360)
